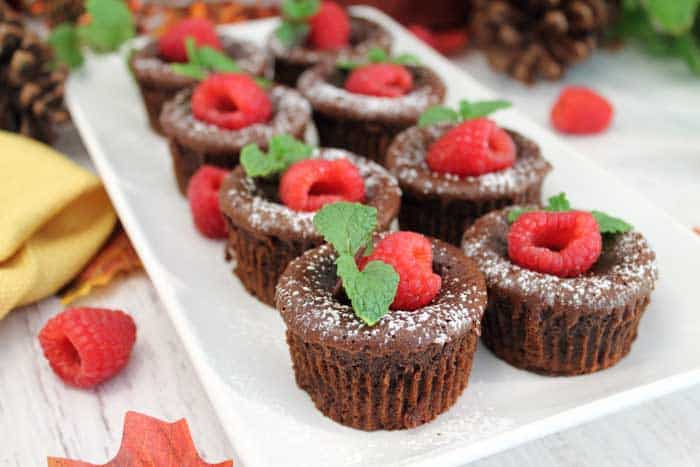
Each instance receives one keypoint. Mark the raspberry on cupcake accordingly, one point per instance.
(161, 69)
(269, 203)
(314, 32)
(383, 341)
(567, 288)
(211, 123)
(361, 105)
(457, 165)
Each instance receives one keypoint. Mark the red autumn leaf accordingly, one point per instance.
(148, 442)
(116, 257)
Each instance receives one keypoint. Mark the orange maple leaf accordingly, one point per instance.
(149, 442)
(116, 257)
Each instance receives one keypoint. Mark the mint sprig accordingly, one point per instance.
(349, 228)
(559, 203)
(295, 17)
(283, 151)
(379, 55)
(111, 24)
(203, 60)
(466, 111)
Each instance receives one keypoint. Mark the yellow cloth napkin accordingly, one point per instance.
(54, 216)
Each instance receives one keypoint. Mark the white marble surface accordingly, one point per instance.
(654, 144)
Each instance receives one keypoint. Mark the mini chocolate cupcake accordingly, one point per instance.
(401, 368)
(305, 39)
(270, 218)
(563, 299)
(364, 108)
(210, 125)
(159, 82)
(440, 199)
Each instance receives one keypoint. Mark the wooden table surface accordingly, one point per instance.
(654, 144)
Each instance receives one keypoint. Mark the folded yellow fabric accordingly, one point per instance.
(54, 216)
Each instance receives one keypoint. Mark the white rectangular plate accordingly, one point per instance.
(237, 345)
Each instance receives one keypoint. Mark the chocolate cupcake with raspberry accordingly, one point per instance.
(385, 341)
(270, 200)
(164, 67)
(210, 124)
(456, 166)
(320, 32)
(567, 289)
(361, 107)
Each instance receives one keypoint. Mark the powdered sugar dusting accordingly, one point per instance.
(626, 270)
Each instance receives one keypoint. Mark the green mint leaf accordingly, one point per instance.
(66, 45)
(111, 24)
(192, 51)
(263, 82)
(214, 60)
(189, 69)
(290, 34)
(609, 224)
(674, 17)
(377, 55)
(346, 65)
(407, 60)
(558, 203)
(513, 214)
(438, 114)
(371, 291)
(284, 151)
(299, 10)
(346, 226)
(470, 110)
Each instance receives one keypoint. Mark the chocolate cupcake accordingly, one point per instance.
(401, 371)
(159, 83)
(364, 123)
(265, 234)
(194, 142)
(444, 205)
(553, 325)
(293, 56)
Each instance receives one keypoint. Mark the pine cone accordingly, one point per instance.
(532, 39)
(31, 93)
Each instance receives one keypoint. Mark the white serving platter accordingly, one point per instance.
(237, 345)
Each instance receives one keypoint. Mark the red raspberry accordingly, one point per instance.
(203, 194)
(473, 148)
(86, 346)
(445, 42)
(310, 184)
(380, 79)
(564, 244)
(330, 27)
(231, 101)
(411, 255)
(580, 110)
(171, 45)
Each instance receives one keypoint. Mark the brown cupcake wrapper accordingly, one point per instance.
(536, 338)
(187, 161)
(367, 139)
(154, 97)
(449, 220)
(387, 392)
(261, 260)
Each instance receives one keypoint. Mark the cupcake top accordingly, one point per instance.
(254, 203)
(407, 160)
(311, 306)
(150, 68)
(624, 271)
(291, 114)
(325, 87)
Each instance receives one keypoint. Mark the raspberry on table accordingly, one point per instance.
(203, 195)
(310, 184)
(564, 244)
(472, 148)
(380, 80)
(580, 110)
(231, 101)
(171, 45)
(329, 28)
(411, 255)
(87, 346)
